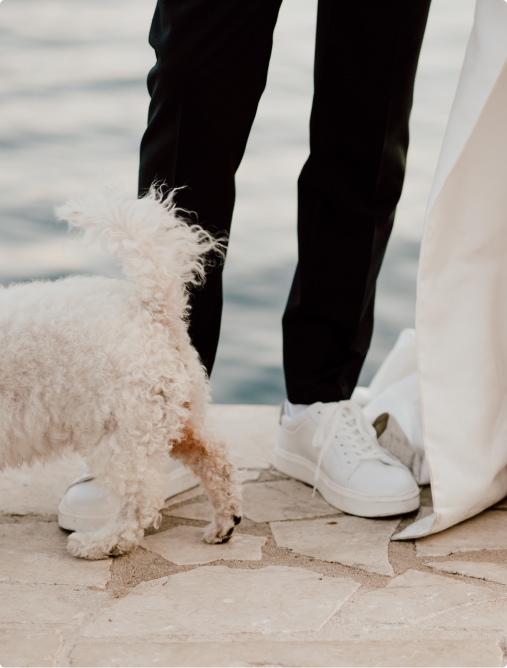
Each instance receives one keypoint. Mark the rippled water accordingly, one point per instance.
(73, 106)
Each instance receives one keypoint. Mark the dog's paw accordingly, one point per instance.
(92, 545)
(84, 546)
(227, 517)
(221, 529)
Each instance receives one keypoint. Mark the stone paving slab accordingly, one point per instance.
(250, 433)
(416, 598)
(200, 510)
(348, 540)
(37, 489)
(65, 605)
(184, 546)
(37, 552)
(248, 461)
(482, 570)
(283, 500)
(487, 531)
(266, 653)
(489, 617)
(184, 496)
(29, 648)
(221, 600)
(267, 502)
(247, 475)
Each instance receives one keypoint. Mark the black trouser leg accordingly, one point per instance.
(212, 62)
(366, 59)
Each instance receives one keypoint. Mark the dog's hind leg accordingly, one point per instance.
(209, 460)
(137, 479)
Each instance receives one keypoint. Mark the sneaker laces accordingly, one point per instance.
(359, 437)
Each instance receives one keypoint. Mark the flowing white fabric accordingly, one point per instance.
(484, 59)
(459, 375)
(462, 290)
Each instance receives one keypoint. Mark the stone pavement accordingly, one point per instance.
(300, 584)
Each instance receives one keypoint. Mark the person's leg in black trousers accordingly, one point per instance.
(366, 59)
(212, 63)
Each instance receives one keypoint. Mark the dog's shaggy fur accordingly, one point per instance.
(105, 367)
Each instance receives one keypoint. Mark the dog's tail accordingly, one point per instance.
(158, 249)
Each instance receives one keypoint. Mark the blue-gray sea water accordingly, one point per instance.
(73, 105)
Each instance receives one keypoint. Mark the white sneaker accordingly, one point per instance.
(86, 507)
(333, 447)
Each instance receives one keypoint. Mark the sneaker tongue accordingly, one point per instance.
(358, 428)
(361, 436)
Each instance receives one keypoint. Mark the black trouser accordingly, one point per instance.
(212, 61)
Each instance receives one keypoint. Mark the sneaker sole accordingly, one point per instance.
(179, 481)
(349, 502)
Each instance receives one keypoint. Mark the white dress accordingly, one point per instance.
(461, 318)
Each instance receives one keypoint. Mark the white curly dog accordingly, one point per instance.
(105, 367)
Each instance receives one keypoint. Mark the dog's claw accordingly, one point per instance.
(220, 532)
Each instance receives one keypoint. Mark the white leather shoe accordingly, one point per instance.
(333, 447)
(86, 507)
